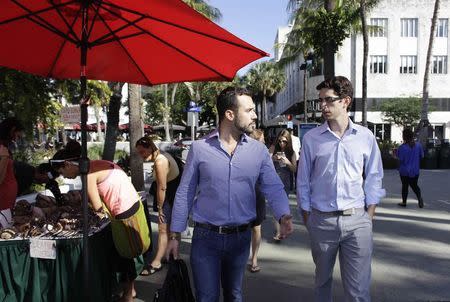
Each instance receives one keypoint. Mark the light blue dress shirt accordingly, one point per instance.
(220, 189)
(329, 175)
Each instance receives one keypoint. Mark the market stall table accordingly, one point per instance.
(24, 278)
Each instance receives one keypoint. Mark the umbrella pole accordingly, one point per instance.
(84, 161)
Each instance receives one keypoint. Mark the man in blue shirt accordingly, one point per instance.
(218, 185)
(339, 184)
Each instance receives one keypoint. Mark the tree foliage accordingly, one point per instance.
(30, 98)
(401, 111)
(205, 9)
(264, 80)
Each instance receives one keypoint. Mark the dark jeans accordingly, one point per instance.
(410, 182)
(217, 258)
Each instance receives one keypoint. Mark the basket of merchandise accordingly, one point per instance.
(43, 218)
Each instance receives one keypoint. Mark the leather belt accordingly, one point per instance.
(347, 212)
(223, 229)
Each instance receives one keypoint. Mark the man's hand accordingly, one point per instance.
(172, 246)
(286, 226)
(371, 210)
(305, 215)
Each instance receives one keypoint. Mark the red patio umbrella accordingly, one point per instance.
(137, 41)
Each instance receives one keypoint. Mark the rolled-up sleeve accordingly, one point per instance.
(373, 185)
(303, 178)
(273, 188)
(185, 193)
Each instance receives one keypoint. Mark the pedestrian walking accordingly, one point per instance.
(166, 174)
(409, 154)
(339, 184)
(257, 134)
(221, 172)
(285, 161)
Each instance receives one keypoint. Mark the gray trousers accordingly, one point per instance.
(351, 236)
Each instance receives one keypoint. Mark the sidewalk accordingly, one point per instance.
(411, 254)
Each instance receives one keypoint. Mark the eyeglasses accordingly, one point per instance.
(60, 161)
(329, 99)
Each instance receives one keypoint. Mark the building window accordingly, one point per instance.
(442, 28)
(439, 65)
(408, 27)
(408, 64)
(378, 64)
(378, 27)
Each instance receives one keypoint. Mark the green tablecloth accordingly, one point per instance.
(24, 278)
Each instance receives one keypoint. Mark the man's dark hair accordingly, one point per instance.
(227, 100)
(341, 86)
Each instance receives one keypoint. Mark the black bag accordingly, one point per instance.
(176, 286)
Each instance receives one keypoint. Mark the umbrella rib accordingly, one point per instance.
(93, 20)
(31, 13)
(103, 39)
(126, 51)
(60, 50)
(186, 28)
(171, 46)
(41, 22)
(69, 27)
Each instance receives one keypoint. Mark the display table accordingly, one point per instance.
(31, 279)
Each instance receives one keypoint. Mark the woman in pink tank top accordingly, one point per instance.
(109, 184)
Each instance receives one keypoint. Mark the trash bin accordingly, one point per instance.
(444, 155)
(430, 159)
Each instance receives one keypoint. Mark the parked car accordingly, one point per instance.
(184, 144)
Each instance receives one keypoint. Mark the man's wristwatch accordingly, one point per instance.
(175, 236)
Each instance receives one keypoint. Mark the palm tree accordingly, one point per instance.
(113, 115)
(136, 131)
(345, 17)
(211, 13)
(424, 124)
(265, 79)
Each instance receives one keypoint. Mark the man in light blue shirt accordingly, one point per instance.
(218, 185)
(339, 184)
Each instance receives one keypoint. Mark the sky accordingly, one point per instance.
(254, 21)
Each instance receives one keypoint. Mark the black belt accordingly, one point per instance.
(223, 229)
(348, 212)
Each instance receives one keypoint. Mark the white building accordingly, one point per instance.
(397, 55)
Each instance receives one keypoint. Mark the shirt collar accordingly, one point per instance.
(351, 127)
(215, 135)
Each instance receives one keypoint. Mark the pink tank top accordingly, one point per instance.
(117, 191)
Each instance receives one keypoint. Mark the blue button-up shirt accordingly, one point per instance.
(220, 189)
(330, 171)
(409, 158)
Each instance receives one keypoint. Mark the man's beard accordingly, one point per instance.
(247, 129)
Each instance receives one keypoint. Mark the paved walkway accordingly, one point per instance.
(411, 258)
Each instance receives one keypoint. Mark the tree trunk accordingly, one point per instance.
(328, 52)
(136, 132)
(424, 125)
(264, 111)
(172, 102)
(166, 112)
(365, 57)
(113, 115)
